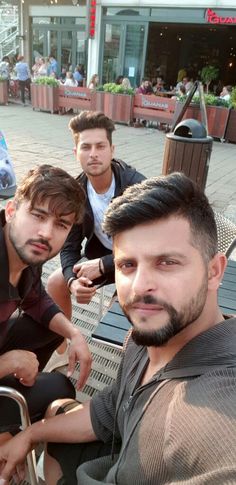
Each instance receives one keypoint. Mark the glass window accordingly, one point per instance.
(41, 20)
(126, 11)
(111, 62)
(38, 42)
(81, 46)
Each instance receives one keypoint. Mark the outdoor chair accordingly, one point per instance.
(226, 231)
(25, 422)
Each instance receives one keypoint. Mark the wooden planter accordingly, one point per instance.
(100, 95)
(230, 134)
(118, 107)
(44, 98)
(3, 92)
(154, 108)
(76, 98)
(217, 117)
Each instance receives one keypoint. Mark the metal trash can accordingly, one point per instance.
(188, 150)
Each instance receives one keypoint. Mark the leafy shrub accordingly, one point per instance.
(210, 100)
(208, 74)
(47, 81)
(233, 97)
(117, 89)
(100, 88)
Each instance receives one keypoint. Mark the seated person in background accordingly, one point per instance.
(70, 81)
(159, 85)
(126, 83)
(145, 87)
(62, 76)
(170, 416)
(103, 178)
(226, 93)
(94, 81)
(79, 74)
(119, 79)
(33, 229)
(181, 92)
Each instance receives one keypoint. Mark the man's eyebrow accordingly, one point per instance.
(47, 213)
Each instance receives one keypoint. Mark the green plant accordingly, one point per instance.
(47, 81)
(208, 74)
(100, 88)
(233, 97)
(117, 89)
(210, 100)
(2, 79)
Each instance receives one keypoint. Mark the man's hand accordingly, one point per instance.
(79, 351)
(12, 457)
(88, 269)
(83, 290)
(23, 364)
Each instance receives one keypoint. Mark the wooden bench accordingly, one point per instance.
(154, 108)
(114, 326)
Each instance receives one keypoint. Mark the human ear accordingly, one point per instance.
(10, 210)
(216, 270)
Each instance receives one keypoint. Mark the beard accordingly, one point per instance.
(33, 259)
(176, 320)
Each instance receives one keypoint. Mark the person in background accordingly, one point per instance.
(70, 81)
(62, 76)
(159, 86)
(52, 66)
(94, 81)
(170, 415)
(35, 68)
(119, 79)
(33, 229)
(43, 67)
(126, 83)
(226, 93)
(145, 87)
(23, 76)
(5, 68)
(79, 74)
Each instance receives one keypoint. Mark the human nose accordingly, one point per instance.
(46, 230)
(93, 151)
(144, 281)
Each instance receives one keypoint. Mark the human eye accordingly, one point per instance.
(168, 262)
(37, 215)
(125, 266)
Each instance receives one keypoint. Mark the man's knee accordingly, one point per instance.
(57, 282)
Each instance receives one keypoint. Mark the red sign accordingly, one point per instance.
(92, 18)
(213, 18)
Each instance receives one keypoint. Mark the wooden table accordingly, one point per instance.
(114, 325)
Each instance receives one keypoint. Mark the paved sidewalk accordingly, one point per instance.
(35, 137)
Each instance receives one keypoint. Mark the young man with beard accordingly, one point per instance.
(33, 229)
(170, 417)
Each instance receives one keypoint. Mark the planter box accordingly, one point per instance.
(118, 107)
(100, 95)
(44, 98)
(3, 92)
(76, 98)
(154, 108)
(230, 134)
(217, 117)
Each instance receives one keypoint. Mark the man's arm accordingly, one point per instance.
(78, 350)
(71, 251)
(73, 427)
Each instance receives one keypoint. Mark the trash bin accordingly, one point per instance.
(188, 150)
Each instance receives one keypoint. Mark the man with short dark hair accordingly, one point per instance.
(33, 228)
(170, 416)
(103, 178)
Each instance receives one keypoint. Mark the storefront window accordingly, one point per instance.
(38, 43)
(111, 64)
(80, 46)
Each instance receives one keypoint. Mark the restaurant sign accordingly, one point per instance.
(214, 18)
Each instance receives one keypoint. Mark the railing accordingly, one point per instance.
(8, 40)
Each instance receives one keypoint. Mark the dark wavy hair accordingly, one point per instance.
(45, 182)
(88, 120)
(159, 198)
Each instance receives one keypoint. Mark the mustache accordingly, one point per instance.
(40, 241)
(147, 300)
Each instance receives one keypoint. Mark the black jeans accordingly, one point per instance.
(26, 334)
(22, 86)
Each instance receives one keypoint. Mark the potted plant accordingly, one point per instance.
(208, 74)
(118, 102)
(3, 90)
(44, 94)
(217, 113)
(230, 134)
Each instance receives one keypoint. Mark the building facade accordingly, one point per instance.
(133, 38)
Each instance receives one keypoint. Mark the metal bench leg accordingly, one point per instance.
(25, 421)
